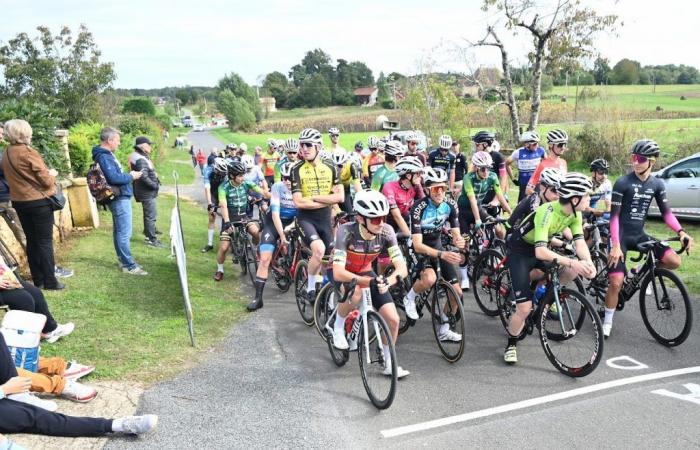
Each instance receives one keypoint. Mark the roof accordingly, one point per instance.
(365, 90)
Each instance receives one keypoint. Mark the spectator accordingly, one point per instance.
(201, 160)
(212, 155)
(257, 157)
(120, 207)
(31, 183)
(193, 155)
(8, 212)
(60, 378)
(146, 188)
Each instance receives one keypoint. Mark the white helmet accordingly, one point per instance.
(333, 130)
(220, 166)
(433, 176)
(557, 137)
(574, 184)
(248, 162)
(324, 154)
(272, 143)
(356, 159)
(529, 136)
(243, 147)
(394, 148)
(340, 157)
(409, 164)
(381, 145)
(310, 135)
(445, 141)
(292, 145)
(550, 177)
(411, 136)
(482, 159)
(495, 146)
(369, 203)
(286, 169)
(372, 141)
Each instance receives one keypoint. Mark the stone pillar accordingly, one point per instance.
(62, 137)
(83, 206)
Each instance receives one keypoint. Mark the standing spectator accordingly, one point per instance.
(31, 183)
(146, 188)
(201, 160)
(193, 155)
(120, 207)
(9, 213)
(257, 157)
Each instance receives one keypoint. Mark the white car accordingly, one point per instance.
(198, 127)
(682, 180)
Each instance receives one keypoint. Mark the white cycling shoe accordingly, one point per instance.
(410, 308)
(607, 328)
(400, 372)
(449, 335)
(339, 340)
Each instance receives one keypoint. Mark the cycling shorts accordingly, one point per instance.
(449, 271)
(378, 300)
(269, 237)
(315, 227)
(629, 242)
(466, 217)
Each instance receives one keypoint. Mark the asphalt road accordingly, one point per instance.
(271, 384)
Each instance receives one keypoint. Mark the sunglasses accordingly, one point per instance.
(292, 152)
(335, 135)
(307, 144)
(483, 169)
(376, 220)
(639, 159)
(455, 144)
(561, 145)
(437, 189)
(286, 179)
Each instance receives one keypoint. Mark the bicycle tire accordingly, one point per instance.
(322, 311)
(339, 357)
(484, 290)
(300, 282)
(646, 307)
(251, 262)
(567, 360)
(372, 370)
(455, 319)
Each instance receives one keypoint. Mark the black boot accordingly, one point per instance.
(257, 302)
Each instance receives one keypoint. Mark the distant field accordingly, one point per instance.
(328, 111)
(347, 140)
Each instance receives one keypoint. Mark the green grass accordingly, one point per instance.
(134, 327)
(330, 111)
(175, 160)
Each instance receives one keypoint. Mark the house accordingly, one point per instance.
(366, 96)
(268, 104)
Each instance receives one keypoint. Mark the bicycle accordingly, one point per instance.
(244, 252)
(573, 347)
(649, 280)
(284, 263)
(367, 334)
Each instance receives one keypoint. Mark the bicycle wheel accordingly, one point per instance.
(667, 313)
(380, 388)
(579, 352)
(506, 307)
(323, 308)
(303, 304)
(339, 357)
(448, 319)
(251, 262)
(483, 281)
(283, 279)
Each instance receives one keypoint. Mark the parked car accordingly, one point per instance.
(198, 127)
(682, 180)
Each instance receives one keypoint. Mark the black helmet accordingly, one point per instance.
(484, 137)
(359, 145)
(646, 147)
(235, 168)
(600, 165)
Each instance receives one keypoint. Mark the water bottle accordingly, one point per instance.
(539, 293)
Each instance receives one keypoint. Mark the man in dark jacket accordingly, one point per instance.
(146, 188)
(120, 207)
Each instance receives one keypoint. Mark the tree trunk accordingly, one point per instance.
(537, 85)
(510, 96)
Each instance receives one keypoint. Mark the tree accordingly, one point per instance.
(601, 70)
(237, 110)
(361, 74)
(626, 71)
(139, 105)
(61, 71)
(314, 62)
(241, 90)
(276, 84)
(315, 92)
(383, 88)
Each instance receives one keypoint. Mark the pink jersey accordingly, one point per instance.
(401, 198)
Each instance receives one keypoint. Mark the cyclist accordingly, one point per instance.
(357, 245)
(334, 136)
(402, 193)
(412, 147)
(291, 151)
(350, 174)
(212, 181)
(282, 213)
(545, 192)
(374, 160)
(557, 141)
(254, 175)
(359, 150)
(234, 194)
(441, 158)
(631, 197)
(486, 141)
(315, 189)
(602, 189)
(527, 157)
(231, 150)
(393, 151)
(528, 249)
(429, 217)
(268, 161)
(461, 167)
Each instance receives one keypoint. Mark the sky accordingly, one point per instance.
(157, 43)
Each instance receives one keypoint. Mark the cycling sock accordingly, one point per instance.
(512, 341)
(311, 283)
(387, 356)
(464, 273)
(118, 425)
(210, 238)
(259, 286)
(609, 315)
(339, 322)
(411, 296)
(219, 267)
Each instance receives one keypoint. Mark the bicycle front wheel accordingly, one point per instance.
(379, 373)
(303, 304)
(666, 310)
(448, 321)
(323, 309)
(579, 346)
(484, 281)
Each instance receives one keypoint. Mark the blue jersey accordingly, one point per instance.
(255, 176)
(429, 219)
(281, 201)
(527, 162)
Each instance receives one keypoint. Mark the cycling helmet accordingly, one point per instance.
(340, 157)
(248, 162)
(600, 165)
(409, 164)
(646, 147)
(529, 136)
(372, 142)
(445, 141)
(231, 147)
(551, 177)
(310, 135)
(381, 145)
(291, 145)
(433, 176)
(394, 148)
(272, 143)
(495, 146)
(356, 159)
(243, 147)
(574, 184)
(411, 136)
(482, 159)
(557, 137)
(359, 146)
(333, 130)
(235, 168)
(220, 165)
(369, 203)
(484, 137)
(286, 169)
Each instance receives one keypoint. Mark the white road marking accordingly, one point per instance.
(693, 396)
(631, 363)
(408, 429)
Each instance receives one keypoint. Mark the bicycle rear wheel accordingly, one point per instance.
(667, 312)
(323, 308)
(448, 321)
(251, 261)
(380, 388)
(580, 347)
(303, 304)
(483, 281)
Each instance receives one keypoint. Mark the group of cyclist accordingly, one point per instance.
(395, 191)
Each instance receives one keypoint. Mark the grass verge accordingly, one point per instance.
(175, 160)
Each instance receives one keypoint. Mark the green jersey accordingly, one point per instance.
(382, 176)
(475, 186)
(546, 221)
(236, 197)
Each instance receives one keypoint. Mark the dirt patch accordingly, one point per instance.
(689, 94)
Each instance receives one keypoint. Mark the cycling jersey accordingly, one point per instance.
(349, 173)
(461, 166)
(437, 159)
(601, 192)
(281, 201)
(382, 176)
(357, 253)
(419, 155)
(547, 220)
(527, 162)
(371, 163)
(311, 180)
(429, 219)
(499, 164)
(401, 198)
(212, 182)
(268, 163)
(559, 163)
(526, 206)
(236, 197)
(475, 186)
(254, 176)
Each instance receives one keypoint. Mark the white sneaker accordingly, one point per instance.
(138, 424)
(138, 270)
(339, 340)
(449, 335)
(31, 399)
(410, 307)
(465, 284)
(400, 372)
(61, 330)
(75, 371)
(78, 392)
(607, 328)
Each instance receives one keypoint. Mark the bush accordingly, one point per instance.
(237, 111)
(610, 140)
(81, 138)
(139, 105)
(387, 103)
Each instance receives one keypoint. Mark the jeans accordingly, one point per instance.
(121, 224)
(37, 223)
(150, 212)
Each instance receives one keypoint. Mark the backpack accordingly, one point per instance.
(99, 188)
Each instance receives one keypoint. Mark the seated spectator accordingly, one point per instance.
(60, 378)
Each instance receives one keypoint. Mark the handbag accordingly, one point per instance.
(57, 201)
